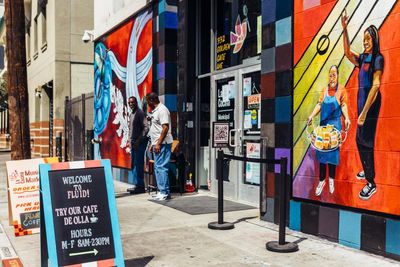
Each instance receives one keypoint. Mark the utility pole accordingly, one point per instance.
(17, 80)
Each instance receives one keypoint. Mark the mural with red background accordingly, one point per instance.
(123, 67)
(361, 39)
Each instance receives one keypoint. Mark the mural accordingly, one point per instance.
(122, 68)
(346, 148)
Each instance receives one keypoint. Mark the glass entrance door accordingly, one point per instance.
(236, 99)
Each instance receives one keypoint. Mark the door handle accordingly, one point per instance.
(232, 133)
(240, 133)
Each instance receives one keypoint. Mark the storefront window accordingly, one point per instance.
(238, 31)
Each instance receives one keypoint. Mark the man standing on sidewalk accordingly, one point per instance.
(137, 140)
(161, 140)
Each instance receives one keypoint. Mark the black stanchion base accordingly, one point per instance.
(221, 226)
(286, 248)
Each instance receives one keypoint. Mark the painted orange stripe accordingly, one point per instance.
(105, 263)
(92, 163)
(15, 262)
(60, 166)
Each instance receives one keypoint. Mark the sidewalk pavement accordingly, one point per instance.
(156, 235)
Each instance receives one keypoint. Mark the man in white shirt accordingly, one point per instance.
(161, 141)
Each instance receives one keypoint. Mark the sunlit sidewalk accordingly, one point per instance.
(157, 235)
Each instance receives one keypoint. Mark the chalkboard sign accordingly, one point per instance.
(80, 219)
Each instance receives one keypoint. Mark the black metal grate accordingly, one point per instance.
(78, 127)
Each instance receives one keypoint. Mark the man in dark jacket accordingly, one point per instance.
(137, 140)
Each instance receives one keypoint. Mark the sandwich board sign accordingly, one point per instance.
(80, 220)
(23, 194)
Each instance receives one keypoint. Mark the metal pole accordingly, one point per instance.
(220, 224)
(59, 145)
(83, 132)
(220, 162)
(282, 246)
(66, 127)
(282, 200)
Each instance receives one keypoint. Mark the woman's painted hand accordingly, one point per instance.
(345, 19)
(347, 124)
(361, 119)
(309, 120)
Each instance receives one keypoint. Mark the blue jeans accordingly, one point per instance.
(161, 166)
(137, 172)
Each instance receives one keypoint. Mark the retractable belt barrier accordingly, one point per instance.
(275, 246)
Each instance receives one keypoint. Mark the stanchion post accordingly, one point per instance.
(220, 166)
(282, 201)
(220, 224)
(282, 246)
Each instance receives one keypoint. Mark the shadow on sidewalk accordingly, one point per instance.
(122, 194)
(138, 262)
(244, 219)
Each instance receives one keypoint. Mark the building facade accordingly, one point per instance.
(261, 68)
(59, 64)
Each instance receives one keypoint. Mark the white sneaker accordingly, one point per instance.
(156, 195)
(319, 188)
(161, 197)
(331, 185)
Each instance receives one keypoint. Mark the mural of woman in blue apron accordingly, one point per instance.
(370, 64)
(331, 105)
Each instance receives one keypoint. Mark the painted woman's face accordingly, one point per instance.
(367, 42)
(333, 77)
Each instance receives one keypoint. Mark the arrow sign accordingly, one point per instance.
(94, 251)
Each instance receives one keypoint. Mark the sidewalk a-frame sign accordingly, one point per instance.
(79, 217)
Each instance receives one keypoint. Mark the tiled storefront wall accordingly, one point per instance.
(276, 91)
(283, 46)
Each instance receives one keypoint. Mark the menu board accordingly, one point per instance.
(23, 194)
(79, 215)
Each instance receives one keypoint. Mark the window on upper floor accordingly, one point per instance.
(41, 9)
(28, 46)
(35, 37)
(44, 29)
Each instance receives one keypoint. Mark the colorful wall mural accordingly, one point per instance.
(346, 116)
(123, 67)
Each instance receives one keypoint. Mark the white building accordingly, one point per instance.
(109, 14)
(59, 64)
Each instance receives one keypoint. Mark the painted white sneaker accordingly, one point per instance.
(360, 175)
(319, 188)
(331, 185)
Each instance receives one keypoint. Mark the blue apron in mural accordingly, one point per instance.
(330, 114)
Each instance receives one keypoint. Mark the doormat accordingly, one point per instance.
(201, 205)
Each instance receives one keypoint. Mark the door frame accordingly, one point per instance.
(235, 188)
